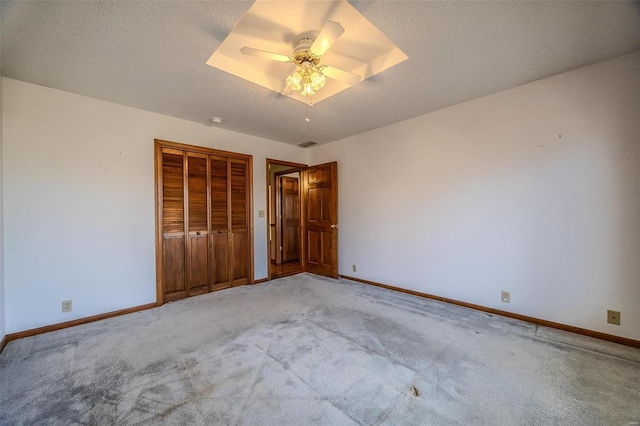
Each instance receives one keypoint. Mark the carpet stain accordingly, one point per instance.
(415, 391)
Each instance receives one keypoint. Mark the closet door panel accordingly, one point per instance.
(203, 226)
(197, 193)
(198, 265)
(198, 245)
(219, 195)
(172, 193)
(239, 258)
(174, 273)
(239, 221)
(173, 224)
(239, 191)
(219, 198)
(220, 261)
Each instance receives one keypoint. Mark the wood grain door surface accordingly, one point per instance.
(220, 235)
(320, 219)
(173, 223)
(290, 218)
(198, 235)
(239, 214)
(204, 205)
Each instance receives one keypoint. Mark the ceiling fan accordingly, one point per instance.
(309, 75)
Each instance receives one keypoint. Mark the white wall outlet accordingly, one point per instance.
(506, 297)
(613, 317)
(66, 306)
(355, 268)
(260, 213)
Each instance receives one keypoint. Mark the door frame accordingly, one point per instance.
(159, 144)
(294, 167)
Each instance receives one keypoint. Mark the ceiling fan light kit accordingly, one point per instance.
(325, 62)
(308, 75)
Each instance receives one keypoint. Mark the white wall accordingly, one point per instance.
(534, 190)
(79, 203)
(2, 304)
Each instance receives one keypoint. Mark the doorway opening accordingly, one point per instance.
(284, 214)
(303, 218)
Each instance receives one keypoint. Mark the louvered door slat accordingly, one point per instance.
(203, 239)
(198, 238)
(238, 195)
(219, 214)
(173, 244)
(219, 222)
(172, 193)
(239, 222)
(197, 194)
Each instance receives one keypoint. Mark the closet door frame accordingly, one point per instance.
(158, 147)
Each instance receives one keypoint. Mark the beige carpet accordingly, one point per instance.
(308, 350)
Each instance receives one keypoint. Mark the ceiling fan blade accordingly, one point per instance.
(264, 54)
(329, 34)
(341, 75)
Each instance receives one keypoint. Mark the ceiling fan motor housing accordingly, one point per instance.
(302, 54)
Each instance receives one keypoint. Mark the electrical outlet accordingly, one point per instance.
(506, 297)
(613, 317)
(260, 213)
(355, 269)
(66, 306)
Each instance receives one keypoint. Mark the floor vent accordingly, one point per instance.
(307, 144)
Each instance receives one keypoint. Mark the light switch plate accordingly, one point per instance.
(260, 213)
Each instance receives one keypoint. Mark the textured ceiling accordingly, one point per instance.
(151, 55)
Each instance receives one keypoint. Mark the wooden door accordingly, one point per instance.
(320, 219)
(198, 224)
(171, 199)
(204, 228)
(239, 214)
(220, 225)
(290, 218)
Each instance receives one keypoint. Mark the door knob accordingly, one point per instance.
(334, 226)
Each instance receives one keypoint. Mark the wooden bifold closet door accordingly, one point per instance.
(204, 238)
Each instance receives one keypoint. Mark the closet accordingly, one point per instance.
(204, 235)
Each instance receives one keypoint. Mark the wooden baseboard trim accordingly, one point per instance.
(261, 280)
(598, 335)
(72, 323)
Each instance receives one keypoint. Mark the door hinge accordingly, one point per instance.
(280, 248)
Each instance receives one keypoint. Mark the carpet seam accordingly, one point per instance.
(359, 345)
(255, 379)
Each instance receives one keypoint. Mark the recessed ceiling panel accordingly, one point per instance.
(277, 26)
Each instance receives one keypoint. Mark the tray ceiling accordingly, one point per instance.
(278, 26)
